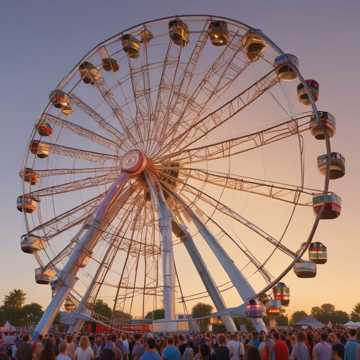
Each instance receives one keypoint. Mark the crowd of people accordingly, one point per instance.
(291, 344)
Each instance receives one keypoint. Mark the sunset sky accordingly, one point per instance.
(42, 41)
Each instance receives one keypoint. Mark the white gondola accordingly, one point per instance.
(89, 73)
(305, 269)
(30, 176)
(282, 293)
(286, 65)
(273, 308)
(31, 243)
(325, 125)
(254, 309)
(44, 276)
(318, 253)
(61, 100)
(41, 150)
(131, 45)
(178, 32)
(254, 45)
(218, 33)
(336, 165)
(303, 94)
(329, 205)
(27, 203)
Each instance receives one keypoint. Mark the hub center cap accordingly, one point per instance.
(133, 162)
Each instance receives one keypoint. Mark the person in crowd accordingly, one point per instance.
(37, 349)
(203, 353)
(299, 349)
(338, 351)
(322, 350)
(352, 346)
(280, 350)
(70, 346)
(150, 352)
(107, 354)
(188, 352)
(63, 354)
(255, 341)
(84, 351)
(138, 348)
(236, 348)
(221, 351)
(98, 346)
(170, 352)
(252, 353)
(47, 352)
(24, 350)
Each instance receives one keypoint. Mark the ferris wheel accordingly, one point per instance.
(168, 168)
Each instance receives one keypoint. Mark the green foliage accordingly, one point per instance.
(155, 314)
(355, 314)
(32, 313)
(18, 314)
(102, 308)
(15, 299)
(200, 310)
(327, 312)
(297, 316)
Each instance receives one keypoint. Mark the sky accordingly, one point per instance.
(42, 40)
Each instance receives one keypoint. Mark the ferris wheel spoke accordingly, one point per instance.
(105, 265)
(225, 112)
(284, 192)
(129, 249)
(239, 244)
(69, 218)
(75, 185)
(120, 139)
(226, 68)
(118, 112)
(75, 153)
(226, 210)
(141, 89)
(180, 90)
(81, 131)
(44, 173)
(241, 144)
(165, 87)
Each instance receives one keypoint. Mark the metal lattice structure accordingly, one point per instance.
(169, 167)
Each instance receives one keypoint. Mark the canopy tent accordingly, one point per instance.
(8, 328)
(352, 325)
(310, 321)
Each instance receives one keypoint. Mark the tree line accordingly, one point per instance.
(15, 310)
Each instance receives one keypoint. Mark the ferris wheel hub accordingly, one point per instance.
(134, 162)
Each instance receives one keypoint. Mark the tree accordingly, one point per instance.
(31, 313)
(355, 314)
(156, 314)
(340, 317)
(102, 308)
(297, 316)
(121, 317)
(202, 310)
(327, 312)
(15, 299)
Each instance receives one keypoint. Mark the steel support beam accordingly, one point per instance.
(208, 281)
(242, 286)
(165, 228)
(86, 241)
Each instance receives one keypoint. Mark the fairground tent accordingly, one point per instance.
(8, 328)
(310, 321)
(352, 325)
